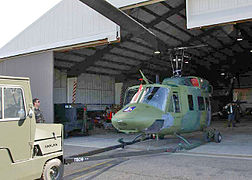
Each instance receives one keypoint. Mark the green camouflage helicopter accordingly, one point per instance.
(178, 105)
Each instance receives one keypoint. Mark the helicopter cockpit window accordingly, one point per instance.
(155, 96)
(131, 96)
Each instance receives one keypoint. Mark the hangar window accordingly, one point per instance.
(13, 103)
(190, 102)
(201, 104)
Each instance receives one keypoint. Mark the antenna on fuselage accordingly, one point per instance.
(144, 78)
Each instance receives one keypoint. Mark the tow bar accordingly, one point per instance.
(88, 156)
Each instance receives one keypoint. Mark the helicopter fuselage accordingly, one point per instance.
(178, 105)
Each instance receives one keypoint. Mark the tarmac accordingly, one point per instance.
(230, 159)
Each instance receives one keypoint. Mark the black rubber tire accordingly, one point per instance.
(217, 137)
(55, 168)
(206, 137)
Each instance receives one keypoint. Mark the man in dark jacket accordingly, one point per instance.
(38, 114)
(231, 114)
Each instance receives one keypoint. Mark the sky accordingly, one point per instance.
(16, 15)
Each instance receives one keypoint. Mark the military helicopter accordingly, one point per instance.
(178, 105)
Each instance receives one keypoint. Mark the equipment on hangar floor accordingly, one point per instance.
(72, 116)
(31, 151)
(27, 150)
(178, 105)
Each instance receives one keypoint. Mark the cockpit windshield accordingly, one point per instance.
(131, 96)
(154, 96)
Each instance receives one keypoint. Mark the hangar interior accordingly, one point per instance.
(223, 58)
(56, 57)
(104, 69)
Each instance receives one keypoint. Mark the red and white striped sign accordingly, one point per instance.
(74, 91)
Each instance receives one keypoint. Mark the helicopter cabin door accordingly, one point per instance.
(174, 107)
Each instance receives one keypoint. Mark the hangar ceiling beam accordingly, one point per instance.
(124, 21)
(64, 60)
(138, 60)
(165, 16)
(191, 40)
(186, 43)
(183, 30)
(108, 68)
(119, 63)
(168, 6)
(90, 60)
(147, 55)
(61, 67)
(232, 38)
(100, 73)
(224, 47)
(116, 62)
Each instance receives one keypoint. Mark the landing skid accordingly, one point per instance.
(210, 134)
(187, 145)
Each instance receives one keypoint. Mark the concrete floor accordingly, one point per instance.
(230, 159)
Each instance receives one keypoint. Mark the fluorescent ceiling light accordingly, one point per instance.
(156, 52)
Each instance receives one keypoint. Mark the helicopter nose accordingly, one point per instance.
(135, 118)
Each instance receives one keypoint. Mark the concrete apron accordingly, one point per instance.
(236, 142)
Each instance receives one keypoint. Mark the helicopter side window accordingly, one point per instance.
(176, 102)
(201, 104)
(190, 102)
(207, 103)
(171, 105)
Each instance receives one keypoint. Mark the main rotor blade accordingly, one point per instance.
(189, 47)
(123, 20)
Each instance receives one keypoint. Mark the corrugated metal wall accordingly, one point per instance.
(118, 92)
(96, 91)
(39, 68)
(60, 87)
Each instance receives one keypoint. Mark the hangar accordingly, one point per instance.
(64, 43)
(102, 50)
